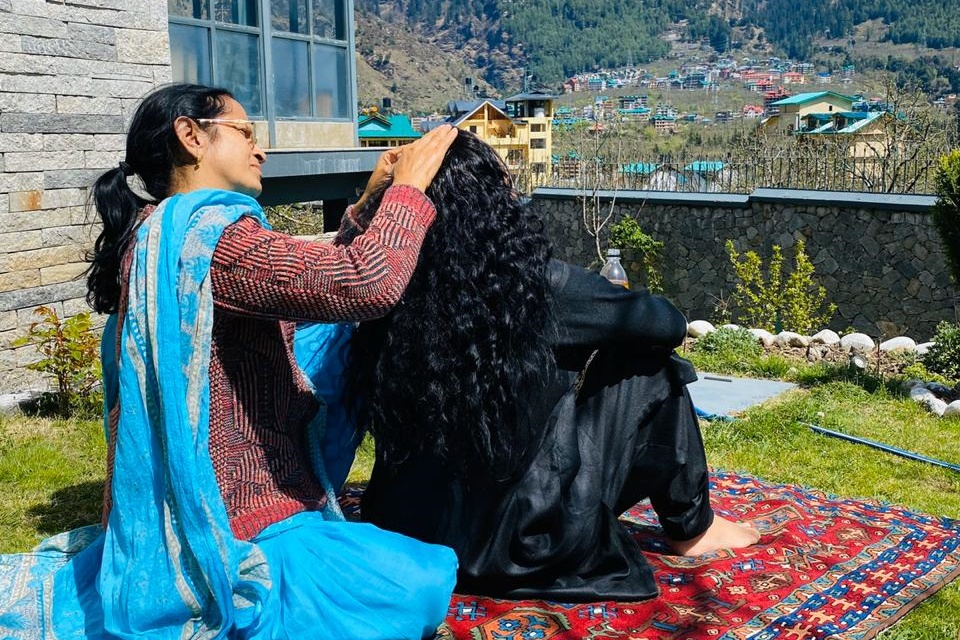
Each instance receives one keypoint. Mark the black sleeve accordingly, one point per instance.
(591, 312)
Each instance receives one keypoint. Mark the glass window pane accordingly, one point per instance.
(238, 69)
(190, 53)
(188, 8)
(237, 12)
(289, 15)
(328, 19)
(331, 81)
(291, 78)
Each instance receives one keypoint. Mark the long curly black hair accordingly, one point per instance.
(447, 372)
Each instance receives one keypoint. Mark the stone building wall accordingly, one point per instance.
(70, 76)
(879, 256)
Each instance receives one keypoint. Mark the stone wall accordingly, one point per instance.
(879, 256)
(70, 76)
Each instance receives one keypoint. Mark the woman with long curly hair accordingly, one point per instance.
(520, 405)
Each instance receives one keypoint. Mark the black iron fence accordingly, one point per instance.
(786, 170)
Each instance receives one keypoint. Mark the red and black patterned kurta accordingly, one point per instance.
(263, 282)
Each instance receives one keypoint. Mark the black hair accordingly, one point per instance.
(152, 152)
(447, 372)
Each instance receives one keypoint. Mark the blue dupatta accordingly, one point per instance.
(167, 564)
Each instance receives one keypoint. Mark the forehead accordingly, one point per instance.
(233, 110)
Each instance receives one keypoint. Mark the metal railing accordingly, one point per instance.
(689, 173)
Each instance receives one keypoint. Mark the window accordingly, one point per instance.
(538, 127)
(538, 167)
(514, 157)
(230, 43)
(473, 128)
(538, 143)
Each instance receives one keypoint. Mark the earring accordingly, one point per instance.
(196, 164)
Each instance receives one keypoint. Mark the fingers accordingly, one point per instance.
(420, 160)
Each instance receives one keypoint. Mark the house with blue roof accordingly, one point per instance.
(824, 115)
(376, 129)
(794, 110)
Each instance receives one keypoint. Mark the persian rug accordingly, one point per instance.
(825, 567)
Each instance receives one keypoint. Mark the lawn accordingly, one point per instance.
(51, 472)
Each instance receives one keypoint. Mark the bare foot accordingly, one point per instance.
(722, 534)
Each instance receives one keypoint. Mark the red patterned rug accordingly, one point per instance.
(825, 567)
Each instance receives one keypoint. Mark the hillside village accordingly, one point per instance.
(773, 98)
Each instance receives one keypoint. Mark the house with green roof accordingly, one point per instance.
(376, 129)
(794, 110)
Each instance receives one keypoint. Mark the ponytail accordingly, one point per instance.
(152, 153)
(119, 207)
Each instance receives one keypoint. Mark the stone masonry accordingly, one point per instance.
(879, 256)
(70, 76)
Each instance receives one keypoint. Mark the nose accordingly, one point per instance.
(259, 154)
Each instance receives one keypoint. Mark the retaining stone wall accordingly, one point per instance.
(70, 76)
(879, 256)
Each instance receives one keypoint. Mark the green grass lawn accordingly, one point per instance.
(51, 472)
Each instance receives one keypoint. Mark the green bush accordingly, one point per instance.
(627, 234)
(70, 351)
(725, 341)
(946, 211)
(918, 371)
(944, 356)
(775, 303)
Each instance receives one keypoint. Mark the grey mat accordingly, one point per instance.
(725, 395)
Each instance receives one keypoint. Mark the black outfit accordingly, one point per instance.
(618, 427)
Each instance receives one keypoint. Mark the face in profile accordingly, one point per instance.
(233, 158)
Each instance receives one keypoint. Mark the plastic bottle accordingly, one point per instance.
(613, 271)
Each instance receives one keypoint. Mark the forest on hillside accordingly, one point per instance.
(559, 38)
(793, 25)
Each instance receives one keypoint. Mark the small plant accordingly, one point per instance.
(918, 371)
(729, 341)
(627, 234)
(946, 211)
(944, 356)
(773, 303)
(70, 351)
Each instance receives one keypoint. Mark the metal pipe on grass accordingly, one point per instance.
(883, 447)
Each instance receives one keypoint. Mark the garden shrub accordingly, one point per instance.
(918, 371)
(944, 356)
(729, 341)
(775, 303)
(627, 234)
(70, 351)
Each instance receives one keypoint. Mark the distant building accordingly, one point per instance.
(793, 110)
(378, 130)
(518, 128)
(664, 123)
(723, 117)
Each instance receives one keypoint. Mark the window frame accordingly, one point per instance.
(265, 34)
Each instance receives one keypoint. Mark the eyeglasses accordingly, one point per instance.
(245, 127)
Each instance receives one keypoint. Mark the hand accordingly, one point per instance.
(419, 161)
(382, 172)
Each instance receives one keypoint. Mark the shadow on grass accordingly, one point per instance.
(69, 508)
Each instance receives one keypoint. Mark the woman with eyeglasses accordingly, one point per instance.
(220, 516)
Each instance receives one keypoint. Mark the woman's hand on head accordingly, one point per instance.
(382, 173)
(419, 161)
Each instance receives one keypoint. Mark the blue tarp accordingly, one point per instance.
(724, 395)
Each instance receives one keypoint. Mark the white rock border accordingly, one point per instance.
(920, 391)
